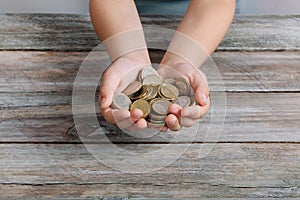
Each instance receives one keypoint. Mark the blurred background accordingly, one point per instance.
(176, 7)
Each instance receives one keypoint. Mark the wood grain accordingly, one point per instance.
(250, 117)
(62, 32)
(241, 71)
(255, 156)
(229, 171)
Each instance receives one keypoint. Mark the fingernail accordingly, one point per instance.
(204, 99)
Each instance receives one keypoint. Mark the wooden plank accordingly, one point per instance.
(240, 71)
(62, 32)
(229, 171)
(255, 117)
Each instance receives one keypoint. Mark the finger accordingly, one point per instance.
(196, 111)
(188, 122)
(136, 114)
(164, 129)
(192, 112)
(173, 123)
(175, 109)
(139, 125)
(109, 85)
(108, 116)
(122, 118)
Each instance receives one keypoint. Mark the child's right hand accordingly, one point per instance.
(116, 78)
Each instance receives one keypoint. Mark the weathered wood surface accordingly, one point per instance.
(241, 71)
(230, 170)
(250, 117)
(256, 156)
(75, 32)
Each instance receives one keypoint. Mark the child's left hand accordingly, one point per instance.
(188, 116)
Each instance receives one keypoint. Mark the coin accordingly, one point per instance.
(154, 126)
(151, 92)
(157, 121)
(153, 96)
(143, 105)
(169, 81)
(156, 117)
(121, 101)
(183, 101)
(147, 72)
(133, 88)
(183, 86)
(140, 94)
(152, 80)
(161, 107)
(168, 91)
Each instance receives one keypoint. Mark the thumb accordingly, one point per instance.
(201, 96)
(107, 88)
(201, 89)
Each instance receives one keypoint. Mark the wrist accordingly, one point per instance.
(185, 49)
(171, 59)
(126, 43)
(137, 58)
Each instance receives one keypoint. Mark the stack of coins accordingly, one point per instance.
(153, 96)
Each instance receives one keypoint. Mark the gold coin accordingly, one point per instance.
(143, 105)
(121, 101)
(133, 88)
(151, 92)
(141, 94)
(168, 91)
(147, 93)
(152, 80)
(183, 101)
(161, 107)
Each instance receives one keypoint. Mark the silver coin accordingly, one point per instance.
(132, 88)
(147, 72)
(152, 80)
(160, 107)
(183, 101)
(121, 101)
(183, 86)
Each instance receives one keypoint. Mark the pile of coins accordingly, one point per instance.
(153, 96)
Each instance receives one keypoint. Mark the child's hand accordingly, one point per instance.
(115, 79)
(188, 116)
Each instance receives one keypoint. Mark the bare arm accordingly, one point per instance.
(207, 22)
(111, 17)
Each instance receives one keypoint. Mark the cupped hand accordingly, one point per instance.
(188, 116)
(115, 79)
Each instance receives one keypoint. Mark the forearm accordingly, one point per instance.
(111, 17)
(206, 21)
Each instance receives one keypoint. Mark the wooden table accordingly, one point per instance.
(257, 155)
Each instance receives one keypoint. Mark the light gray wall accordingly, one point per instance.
(269, 6)
(146, 6)
(44, 6)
